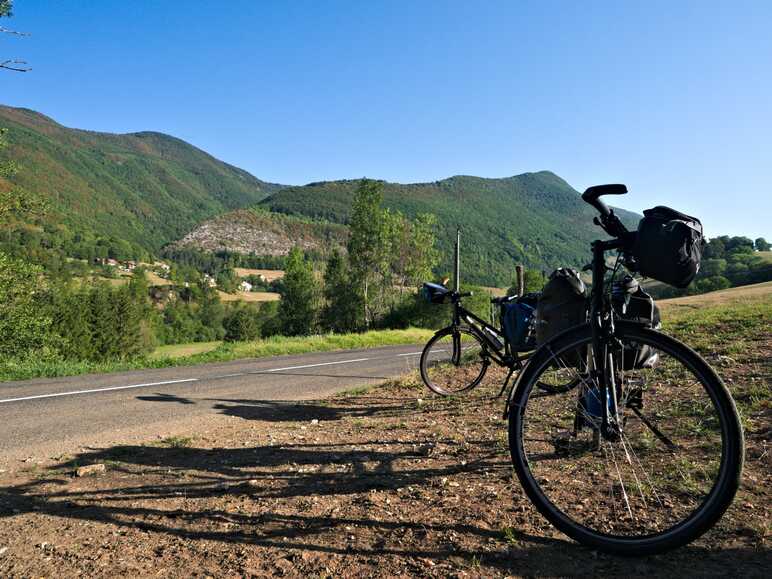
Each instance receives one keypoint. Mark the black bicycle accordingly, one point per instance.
(457, 357)
(645, 452)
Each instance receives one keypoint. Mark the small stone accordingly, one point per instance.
(315, 421)
(3, 550)
(91, 470)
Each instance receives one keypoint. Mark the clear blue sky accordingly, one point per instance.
(672, 98)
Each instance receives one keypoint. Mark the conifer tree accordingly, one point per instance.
(298, 309)
(341, 310)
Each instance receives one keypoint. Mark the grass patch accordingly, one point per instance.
(177, 441)
(41, 367)
(183, 350)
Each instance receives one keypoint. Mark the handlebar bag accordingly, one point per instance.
(668, 246)
(435, 293)
(517, 325)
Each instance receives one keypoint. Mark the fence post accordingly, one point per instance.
(520, 280)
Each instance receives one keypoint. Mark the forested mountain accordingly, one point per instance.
(536, 218)
(145, 188)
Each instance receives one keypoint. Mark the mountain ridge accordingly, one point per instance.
(146, 187)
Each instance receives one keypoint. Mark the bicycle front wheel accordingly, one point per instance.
(668, 473)
(454, 361)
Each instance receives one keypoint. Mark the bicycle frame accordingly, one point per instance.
(513, 361)
(602, 324)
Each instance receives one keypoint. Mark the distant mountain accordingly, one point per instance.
(536, 219)
(150, 189)
(145, 188)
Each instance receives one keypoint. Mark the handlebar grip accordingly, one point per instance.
(592, 194)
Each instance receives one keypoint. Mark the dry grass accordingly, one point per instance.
(732, 295)
(268, 274)
(252, 297)
(183, 350)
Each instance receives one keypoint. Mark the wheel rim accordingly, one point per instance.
(639, 486)
(440, 369)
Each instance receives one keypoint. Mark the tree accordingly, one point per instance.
(365, 244)
(24, 323)
(241, 324)
(298, 308)
(341, 310)
(11, 64)
(739, 245)
(762, 244)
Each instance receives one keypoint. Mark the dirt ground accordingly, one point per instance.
(390, 481)
(387, 482)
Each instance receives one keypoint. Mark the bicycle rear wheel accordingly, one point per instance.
(664, 480)
(454, 361)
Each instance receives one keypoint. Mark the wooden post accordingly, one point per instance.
(520, 280)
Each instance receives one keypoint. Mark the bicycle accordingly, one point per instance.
(645, 453)
(457, 357)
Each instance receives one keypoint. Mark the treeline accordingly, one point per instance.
(726, 262)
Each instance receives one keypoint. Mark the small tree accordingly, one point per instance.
(298, 308)
(365, 245)
(241, 324)
(762, 244)
(341, 310)
(24, 324)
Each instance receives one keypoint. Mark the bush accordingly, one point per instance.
(241, 324)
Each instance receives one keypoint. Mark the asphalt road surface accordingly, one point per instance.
(42, 419)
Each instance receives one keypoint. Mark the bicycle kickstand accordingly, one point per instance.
(506, 382)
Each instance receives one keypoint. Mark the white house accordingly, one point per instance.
(245, 286)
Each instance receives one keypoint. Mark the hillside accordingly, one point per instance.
(263, 233)
(535, 218)
(145, 188)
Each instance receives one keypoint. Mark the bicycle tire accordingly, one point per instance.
(424, 362)
(716, 501)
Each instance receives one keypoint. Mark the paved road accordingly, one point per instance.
(40, 419)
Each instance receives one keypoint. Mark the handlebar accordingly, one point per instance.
(607, 220)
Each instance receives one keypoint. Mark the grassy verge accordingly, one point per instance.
(175, 356)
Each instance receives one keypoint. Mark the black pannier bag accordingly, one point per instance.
(668, 246)
(562, 305)
(633, 304)
(517, 322)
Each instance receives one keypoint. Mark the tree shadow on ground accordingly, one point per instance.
(258, 475)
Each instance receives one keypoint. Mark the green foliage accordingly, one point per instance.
(533, 280)
(298, 309)
(5, 8)
(242, 324)
(341, 313)
(762, 244)
(99, 322)
(24, 325)
(146, 189)
(536, 219)
(727, 262)
(414, 310)
(366, 242)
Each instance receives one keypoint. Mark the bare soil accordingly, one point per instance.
(386, 482)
